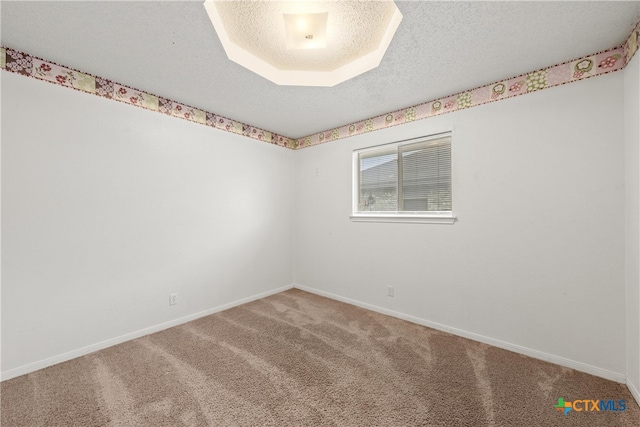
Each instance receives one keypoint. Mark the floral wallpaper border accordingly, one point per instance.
(589, 66)
(28, 65)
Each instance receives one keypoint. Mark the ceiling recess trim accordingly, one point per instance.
(294, 77)
(568, 72)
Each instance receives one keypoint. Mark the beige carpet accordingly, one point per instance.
(297, 359)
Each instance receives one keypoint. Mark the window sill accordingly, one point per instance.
(420, 219)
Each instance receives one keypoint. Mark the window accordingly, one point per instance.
(408, 181)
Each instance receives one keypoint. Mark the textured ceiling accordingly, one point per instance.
(441, 48)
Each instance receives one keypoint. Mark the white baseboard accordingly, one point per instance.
(634, 391)
(558, 360)
(22, 370)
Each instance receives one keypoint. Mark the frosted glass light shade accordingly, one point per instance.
(308, 31)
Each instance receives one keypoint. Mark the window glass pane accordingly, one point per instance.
(426, 176)
(378, 186)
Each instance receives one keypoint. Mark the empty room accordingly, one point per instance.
(313, 213)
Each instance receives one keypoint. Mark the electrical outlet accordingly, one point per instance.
(390, 291)
(173, 299)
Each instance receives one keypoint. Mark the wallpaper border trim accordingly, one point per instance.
(32, 66)
(593, 65)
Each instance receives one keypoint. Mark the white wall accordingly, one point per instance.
(536, 260)
(632, 215)
(107, 209)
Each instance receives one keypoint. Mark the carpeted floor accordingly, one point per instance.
(297, 359)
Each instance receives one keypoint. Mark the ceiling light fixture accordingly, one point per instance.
(308, 31)
(322, 43)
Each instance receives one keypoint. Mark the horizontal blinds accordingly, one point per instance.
(426, 176)
(378, 180)
(411, 177)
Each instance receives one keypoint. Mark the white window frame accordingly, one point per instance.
(439, 217)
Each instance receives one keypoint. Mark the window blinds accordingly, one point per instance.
(410, 177)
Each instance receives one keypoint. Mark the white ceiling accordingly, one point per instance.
(441, 48)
